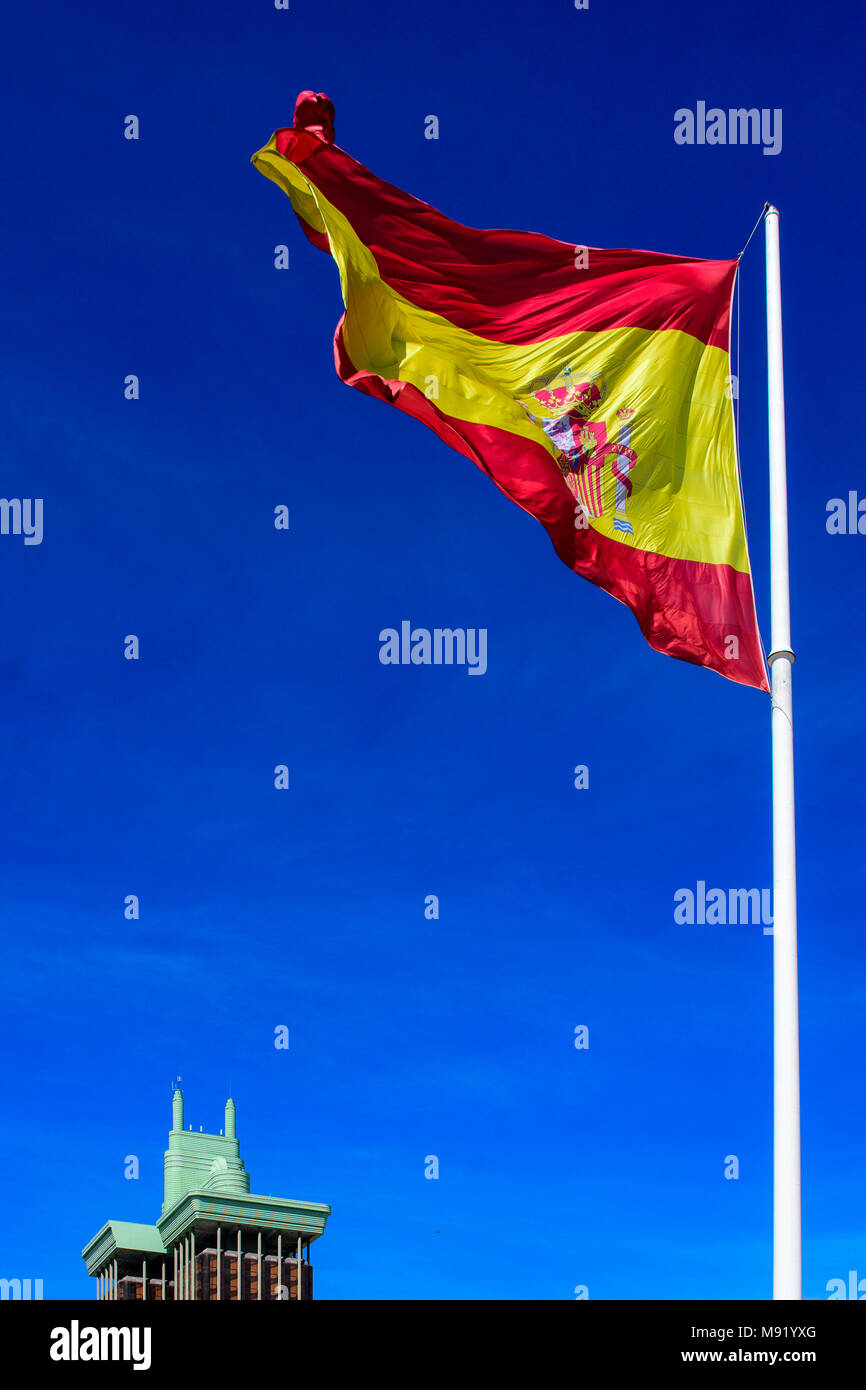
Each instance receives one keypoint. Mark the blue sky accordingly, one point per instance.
(409, 1037)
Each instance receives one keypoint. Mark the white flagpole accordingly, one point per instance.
(787, 1280)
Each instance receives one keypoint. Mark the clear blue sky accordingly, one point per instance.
(306, 908)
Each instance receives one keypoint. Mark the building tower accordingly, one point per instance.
(214, 1239)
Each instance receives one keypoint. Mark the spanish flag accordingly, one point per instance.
(591, 385)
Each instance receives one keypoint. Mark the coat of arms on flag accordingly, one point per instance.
(587, 458)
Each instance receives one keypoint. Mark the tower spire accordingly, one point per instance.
(177, 1107)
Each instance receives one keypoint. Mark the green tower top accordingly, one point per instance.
(202, 1162)
(206, 1190)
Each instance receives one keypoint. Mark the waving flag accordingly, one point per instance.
(591, 385)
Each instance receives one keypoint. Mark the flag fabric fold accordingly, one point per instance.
(593, 386)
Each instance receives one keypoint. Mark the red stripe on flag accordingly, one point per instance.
(513, 287)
